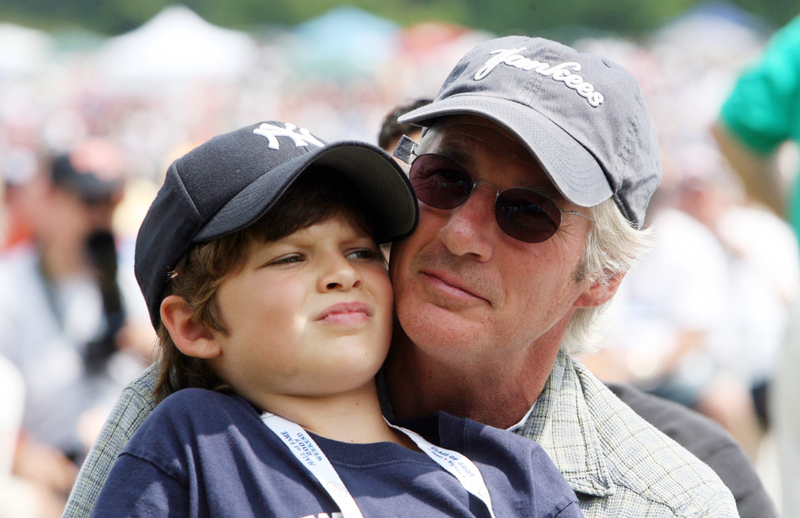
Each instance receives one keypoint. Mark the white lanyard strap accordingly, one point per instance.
(456, 464)
(305, 449)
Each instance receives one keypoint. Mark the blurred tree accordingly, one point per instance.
(511, 16)
(778, 12)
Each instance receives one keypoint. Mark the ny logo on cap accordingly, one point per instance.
(301, 138)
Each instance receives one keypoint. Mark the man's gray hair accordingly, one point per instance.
(612, 248)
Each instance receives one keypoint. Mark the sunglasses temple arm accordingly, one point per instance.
(577, 214)
(405, 149)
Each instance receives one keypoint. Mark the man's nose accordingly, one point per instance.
(471, 228)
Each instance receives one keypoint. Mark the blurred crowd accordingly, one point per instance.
(87, 129)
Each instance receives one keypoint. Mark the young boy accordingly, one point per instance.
(260, 265)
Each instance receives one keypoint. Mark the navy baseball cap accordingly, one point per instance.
(583, 117)
(230, 181)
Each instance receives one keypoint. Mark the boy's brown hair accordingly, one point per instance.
(318, 195)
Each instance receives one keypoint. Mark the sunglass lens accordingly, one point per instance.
(527, 216)
(440, 182)
(521, 213)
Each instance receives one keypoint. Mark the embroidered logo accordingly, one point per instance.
(562, 72)
(301, 138)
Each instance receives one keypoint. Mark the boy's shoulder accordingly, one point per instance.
(186, 396)
(193, 423)
(203, 401)
(196, 410)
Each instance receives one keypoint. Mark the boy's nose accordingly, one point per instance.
(341, 275)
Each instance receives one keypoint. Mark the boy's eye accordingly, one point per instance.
(363, 253)
(288, 259)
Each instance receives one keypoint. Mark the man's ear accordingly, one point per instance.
(598, 293)
(191, 337)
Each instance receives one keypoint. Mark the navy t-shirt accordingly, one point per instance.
(204, 454)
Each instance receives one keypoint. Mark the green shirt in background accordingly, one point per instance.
(763, 111)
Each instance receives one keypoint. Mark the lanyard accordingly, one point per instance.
(456, 464)
(306, 450)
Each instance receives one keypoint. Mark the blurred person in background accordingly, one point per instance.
(658, 356)
(761, 114)
(669, 306)
(18, 167)
(71, 318)
(703, 314)
(762, 278)
(391, 131)
(18, 498)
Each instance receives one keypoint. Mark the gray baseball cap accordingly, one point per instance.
(583, 117)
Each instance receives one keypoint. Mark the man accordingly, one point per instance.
(392, 131)
(533, 174)
(704, 438)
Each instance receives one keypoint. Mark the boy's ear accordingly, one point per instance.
(598, 293)
(191, 337)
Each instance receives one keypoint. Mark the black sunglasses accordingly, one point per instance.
(521, 213)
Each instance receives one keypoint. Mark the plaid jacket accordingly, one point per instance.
(617, 463)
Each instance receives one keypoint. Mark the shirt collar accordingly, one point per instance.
(522, 421)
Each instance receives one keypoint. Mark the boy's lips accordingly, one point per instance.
(345, 313)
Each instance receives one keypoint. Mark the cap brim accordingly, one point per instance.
(384, 188)
(572, 168)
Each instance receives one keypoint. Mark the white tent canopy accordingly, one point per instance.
(345, 42)
(24, 50)
(714, 26)
(178, 44)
